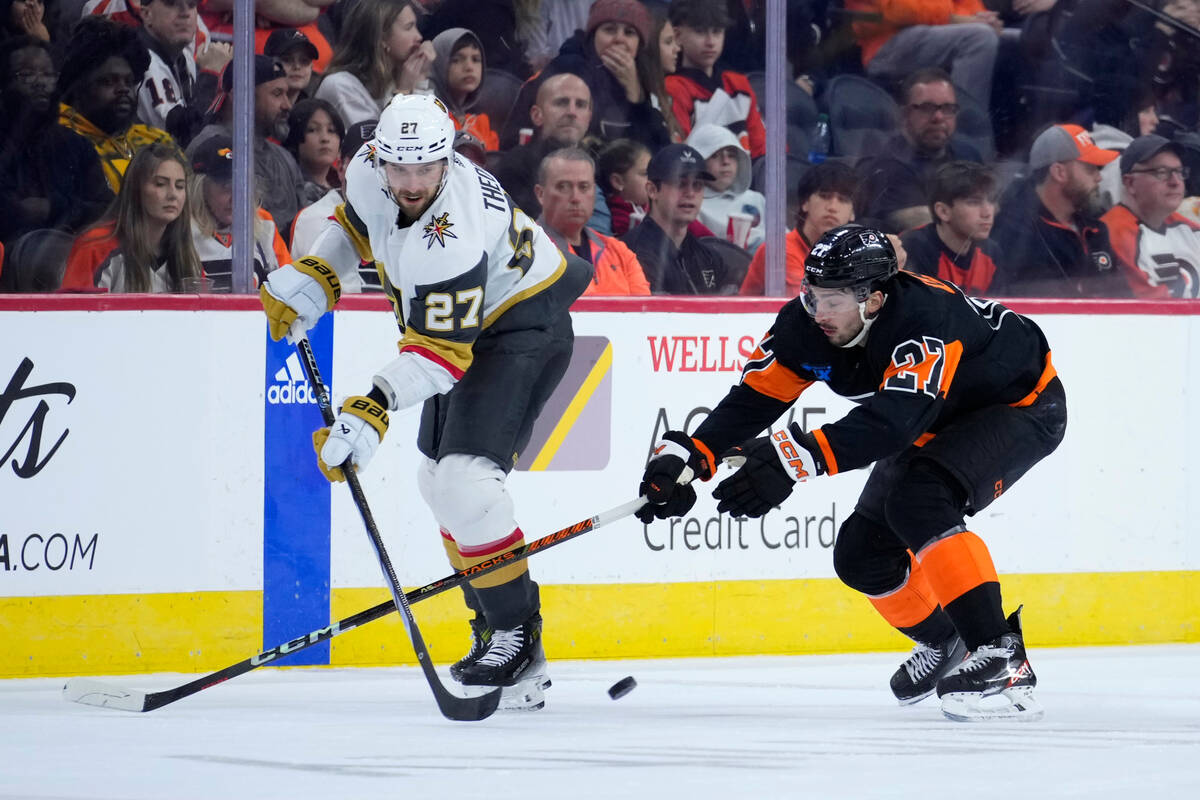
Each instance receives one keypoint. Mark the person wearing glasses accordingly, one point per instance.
(51, 177)
(1156, 247)
(1055, 244)
(898, 182)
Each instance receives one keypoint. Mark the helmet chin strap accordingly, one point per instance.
(867, 323)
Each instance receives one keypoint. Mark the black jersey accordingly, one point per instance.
(932, 355)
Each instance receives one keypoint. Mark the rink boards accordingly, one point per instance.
(160, 511)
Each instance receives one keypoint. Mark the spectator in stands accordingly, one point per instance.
(927, 33)
(51, 177)
(144, 244)
(662, 56)
(621, 172)
(212, 218)
(1118, 124)
(269, 16)
(731, 209)
(458, 68)
(611, 55)
(314, 139)
(1157, 248)
(555, 21)
(380, 53)
(1054, 242)
(560, 118)
(703, 92)
(33, 18)
(297, 53)
(469, 147)
(566, 189)
(828, 195)
(312, 220)
(278, 174)
(897, 181)
(98, 82)
(173, 95)
(673, 260)
(499, 24)
(956, 247)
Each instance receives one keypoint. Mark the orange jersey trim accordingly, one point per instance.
(1048, 374)
(831, 466)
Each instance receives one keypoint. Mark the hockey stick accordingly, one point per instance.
(97, 693)
(451, 705)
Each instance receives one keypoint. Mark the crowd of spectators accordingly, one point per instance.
(1014, 147)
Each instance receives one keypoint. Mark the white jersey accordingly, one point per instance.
(160, 92)
(450, 274)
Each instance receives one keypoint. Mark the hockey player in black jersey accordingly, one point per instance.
(957, 399)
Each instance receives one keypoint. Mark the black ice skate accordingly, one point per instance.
(514, 660)
(481, 635)
(918, 676)
(994, 682)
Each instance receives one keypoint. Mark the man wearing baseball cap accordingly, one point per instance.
(1156, 247)
(673, 259)
(279, 176)
(1054, 242)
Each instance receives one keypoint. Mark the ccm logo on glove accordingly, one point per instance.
(790, 455)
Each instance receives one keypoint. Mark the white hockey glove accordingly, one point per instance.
(296, 295)
(356, 433)
(770, 467)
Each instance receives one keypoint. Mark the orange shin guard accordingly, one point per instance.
(911, 603)
(957, 564)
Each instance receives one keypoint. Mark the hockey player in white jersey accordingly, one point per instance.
(481, 295)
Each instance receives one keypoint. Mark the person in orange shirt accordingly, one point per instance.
(566, 189)
(828, 193)
(929, 33)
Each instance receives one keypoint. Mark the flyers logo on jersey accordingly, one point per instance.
(438, 229)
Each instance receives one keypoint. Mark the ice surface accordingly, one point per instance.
(1120, 723)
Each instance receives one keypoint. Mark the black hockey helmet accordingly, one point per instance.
(851, 256)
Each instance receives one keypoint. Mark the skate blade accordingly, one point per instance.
(525, 696)
(912, 701)
(1017, 704)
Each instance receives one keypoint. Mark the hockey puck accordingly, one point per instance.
(622, 687)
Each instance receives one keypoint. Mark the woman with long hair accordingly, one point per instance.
(662, 59)
(144, 243)
(380, 53)
(315, 133)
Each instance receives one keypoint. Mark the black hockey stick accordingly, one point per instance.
(97, 693)
(451, 705)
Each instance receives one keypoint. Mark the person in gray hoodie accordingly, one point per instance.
(457, 77)
(729, 201)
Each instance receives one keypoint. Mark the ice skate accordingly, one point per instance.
(994, 682)
(918, 676)
(481, 635)
(514, 660)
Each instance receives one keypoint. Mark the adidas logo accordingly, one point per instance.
(291, 385)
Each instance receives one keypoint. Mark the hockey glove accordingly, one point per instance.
(296, 295)
(356, 434)
(666, 483)
(770, 468)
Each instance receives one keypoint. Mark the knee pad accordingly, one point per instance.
(468, 497)
(924, 502)
(868, 557)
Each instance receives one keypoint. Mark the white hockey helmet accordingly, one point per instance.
(414, 129)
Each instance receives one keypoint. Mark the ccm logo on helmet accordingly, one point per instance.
(790, 454)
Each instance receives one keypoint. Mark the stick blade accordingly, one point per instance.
(97, 693)
(467, 709)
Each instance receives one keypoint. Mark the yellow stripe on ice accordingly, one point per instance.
(578, 403)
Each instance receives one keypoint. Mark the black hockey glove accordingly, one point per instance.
(770, 468)
(666, 483)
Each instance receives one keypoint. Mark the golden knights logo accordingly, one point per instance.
(369, 155)
(438, 228)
